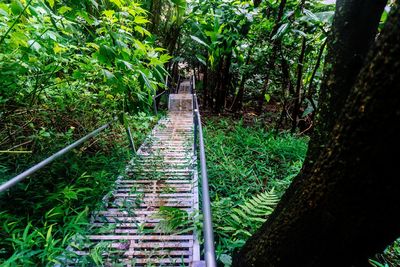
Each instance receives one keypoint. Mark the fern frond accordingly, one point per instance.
(250, 215)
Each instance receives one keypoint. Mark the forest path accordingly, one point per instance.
(149, 217)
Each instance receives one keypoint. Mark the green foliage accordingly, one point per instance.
(256, 51)
(174, 220)
(67, 67)
(389, 257)
(249, 169)
(249, 216)
(53, 205)
(54, 51)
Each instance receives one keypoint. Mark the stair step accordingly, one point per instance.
(161, 175)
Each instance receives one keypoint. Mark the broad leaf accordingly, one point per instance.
(199, 41)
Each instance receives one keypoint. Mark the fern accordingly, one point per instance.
(245, 219)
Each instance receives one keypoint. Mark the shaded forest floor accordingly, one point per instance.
(249, 169)
(250, 166)
(248, 158)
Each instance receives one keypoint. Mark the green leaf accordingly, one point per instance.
(109, 13)
(108, 75)
(128, 65)
(199, 41)
(140, 45)
(165, 58)
(34, 45)
(140, 20)
(51, 3)
(48, 235)
(118, 3)
(64, 9)
(142, 31)
(201, 59)
(300, 32)
(146, 81)
(267, 97)
(226, 259)
(3, 12)
(281, 31)
(311, 15)
(16, 7)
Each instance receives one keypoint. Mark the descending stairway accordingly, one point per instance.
(149, 218)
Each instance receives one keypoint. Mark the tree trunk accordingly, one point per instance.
(271, 65)
(297, 97)
(286, 77)
(272, 60)
(238, 100)
(346, 208)
(205, 86)
(155, 13)
(354, 30)
(223, 83)
(310, 92)
(364, 25)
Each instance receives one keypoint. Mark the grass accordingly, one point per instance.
(249, 167)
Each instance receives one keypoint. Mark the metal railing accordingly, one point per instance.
(155, 97)
(13, 181)
(209, 249)
(178, 84)
(43, 163)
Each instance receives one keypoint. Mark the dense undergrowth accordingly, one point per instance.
(39, 216)
(249, 170)
(66, 68)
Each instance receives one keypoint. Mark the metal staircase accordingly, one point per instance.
(151, 217)
(161, 179)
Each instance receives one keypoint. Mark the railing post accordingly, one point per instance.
(178, 84)
(130, 138)
(155, 105)
(195, 132)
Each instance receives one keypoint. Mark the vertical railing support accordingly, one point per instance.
(155, 106)
(178, 85)
(195, 132)
(130, 138)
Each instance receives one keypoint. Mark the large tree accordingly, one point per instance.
(353, 32)
(342, 209)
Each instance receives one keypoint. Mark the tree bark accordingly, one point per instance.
(354, 30)
(346, 208)
(271, 64)
(310, 92)
(287, 88)
(299, 81)
(155, 15)
(238, 100)
(223, 83)
(351, 32)
(273, 56)
(205, 87)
